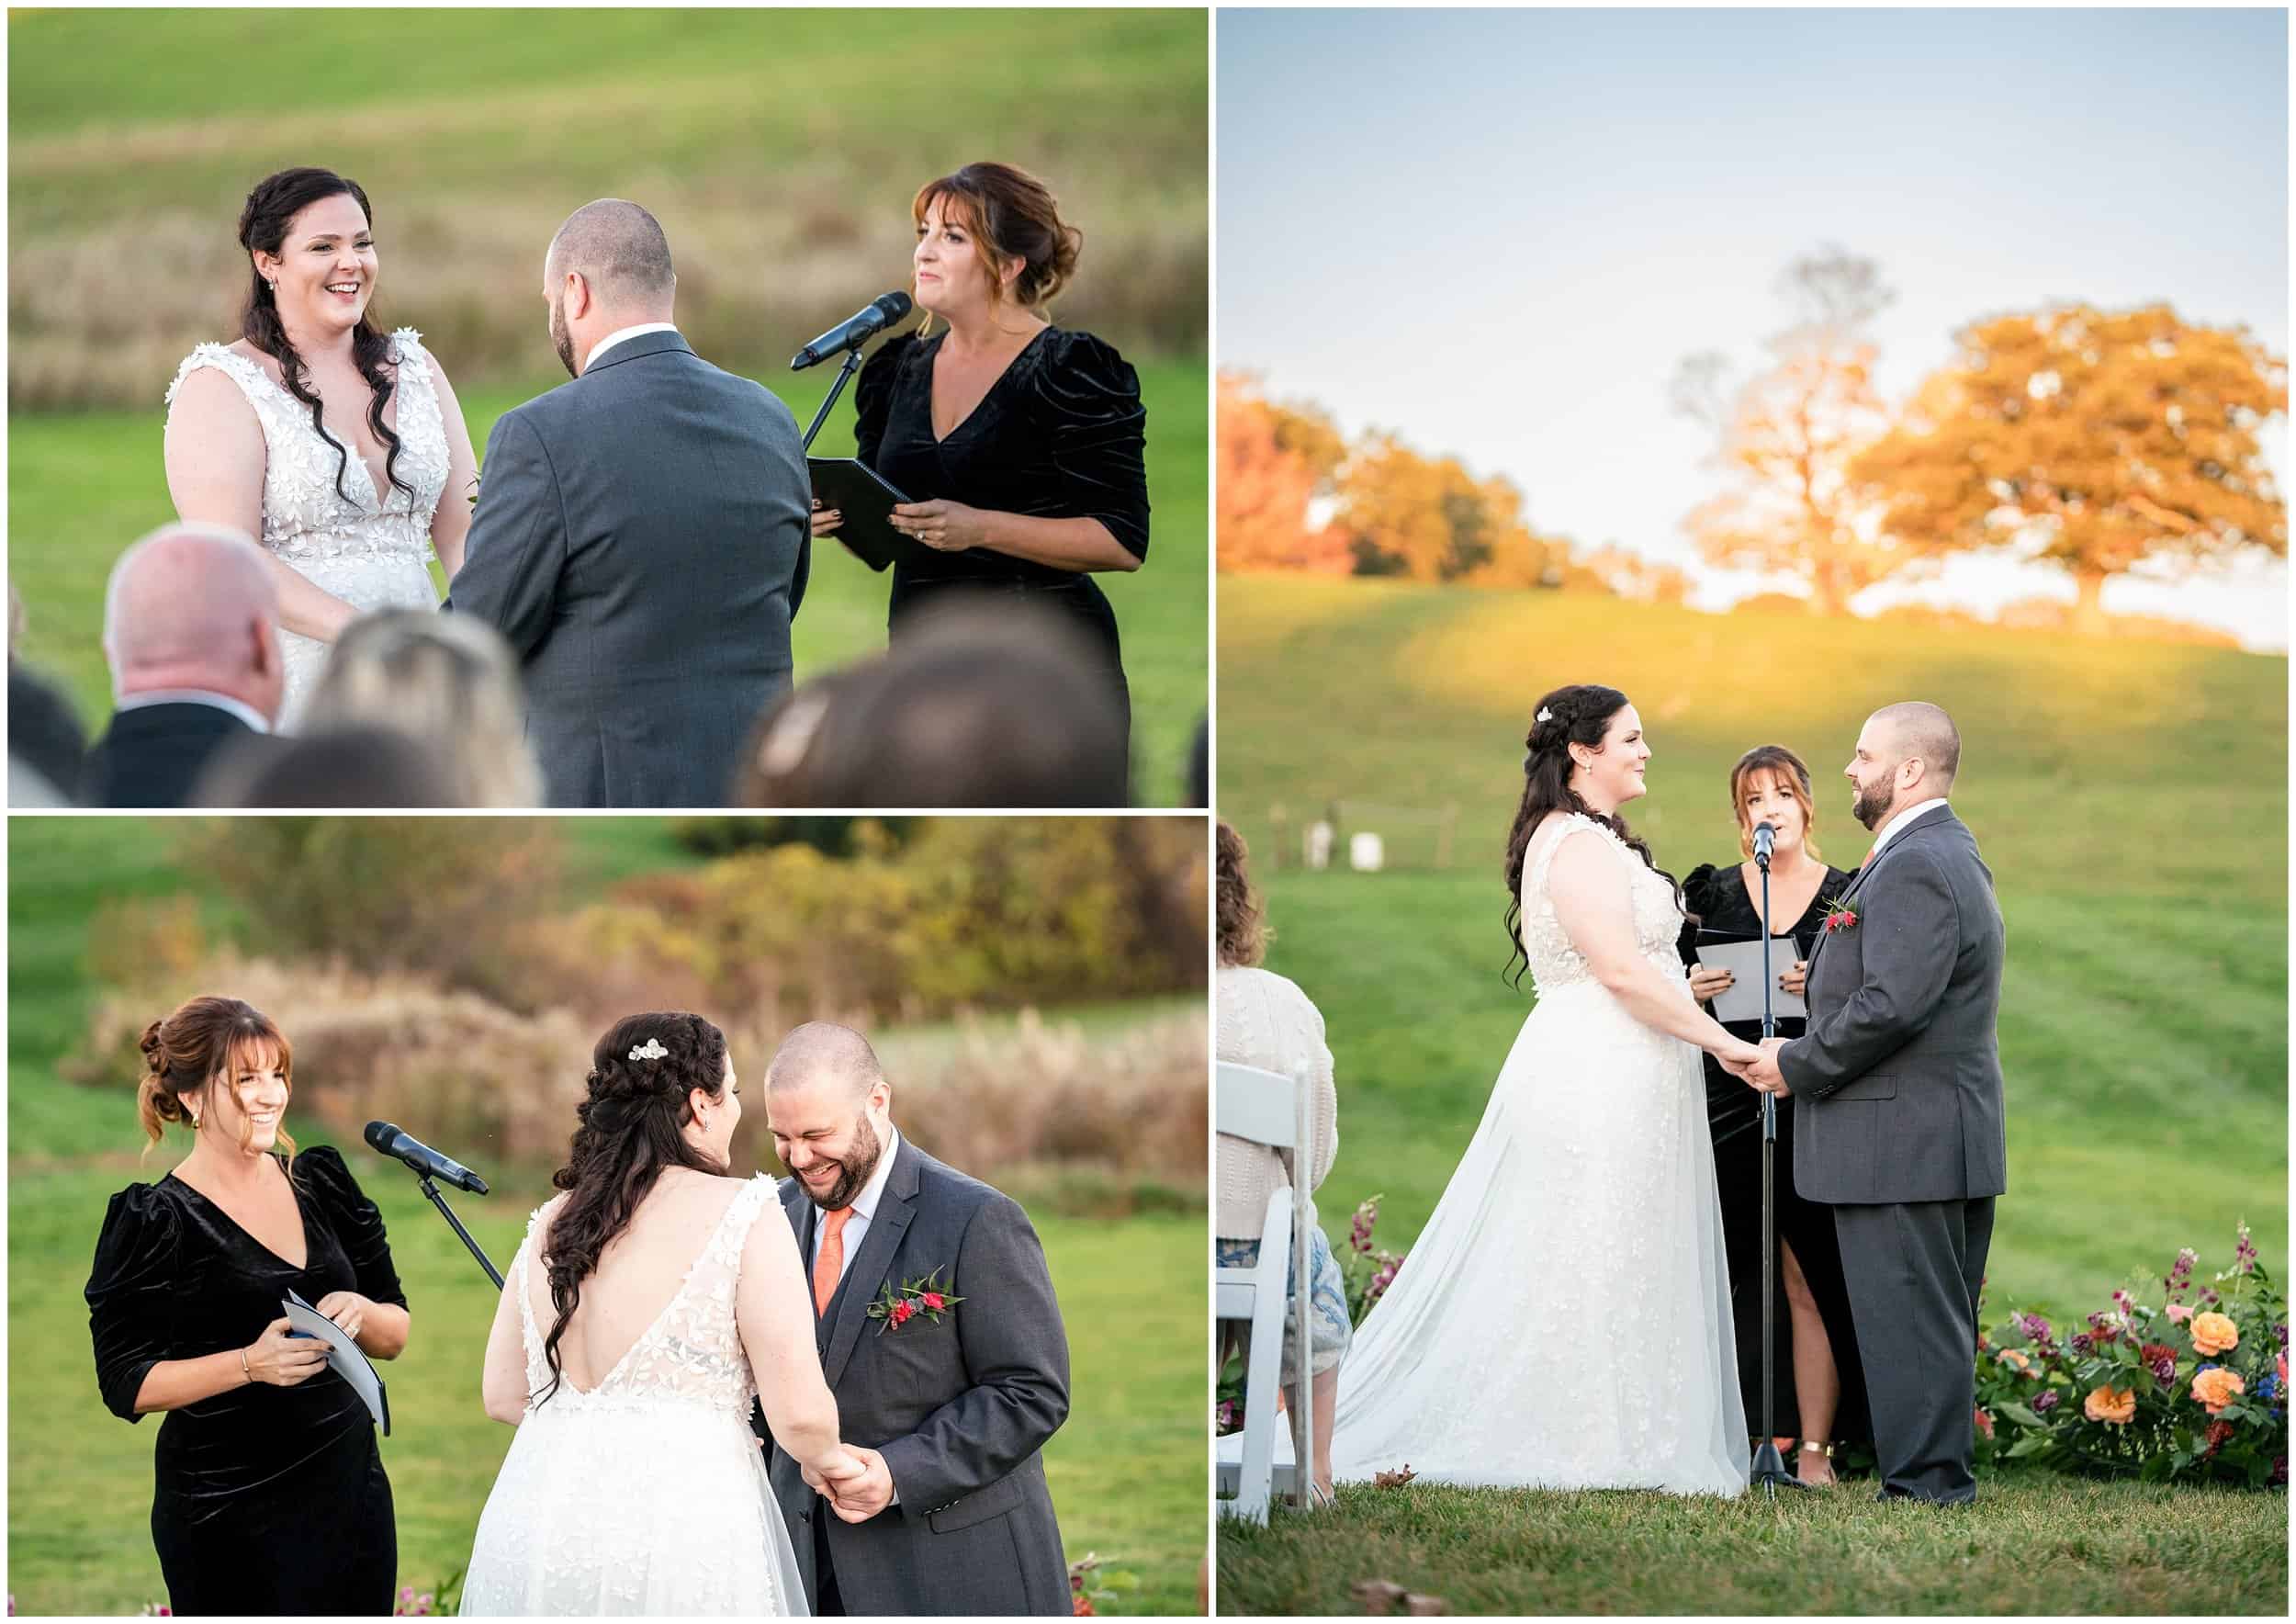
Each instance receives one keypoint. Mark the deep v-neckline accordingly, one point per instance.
(932, 368)
(1754, 905)
(685, 1285)
(302, 1221)
(399, 395)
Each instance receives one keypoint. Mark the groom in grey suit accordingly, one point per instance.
(1899, 1121)
(642, 536)
(949, 1405)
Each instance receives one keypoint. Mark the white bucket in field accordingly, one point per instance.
(1319, 844)
(1367, 852)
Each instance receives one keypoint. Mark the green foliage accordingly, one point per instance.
(829, 835)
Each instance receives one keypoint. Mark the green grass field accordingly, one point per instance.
(1127, 1470)
(2131, 802)
(82, 485)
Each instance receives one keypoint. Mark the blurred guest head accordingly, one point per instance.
(829, 1109)
(607, 268)
(47, 747)
(1242, 931)
(1769, 785)
(447, 680)
(1199, 765)
(192, 608)
(1906, 753)
(355, 765)
(988, 236)
(997, 706)
(221, 1068)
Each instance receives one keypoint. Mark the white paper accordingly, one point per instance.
(343, 1356)
(1741, 1000)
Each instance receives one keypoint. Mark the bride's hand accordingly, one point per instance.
(1738, 1058)
(843, 1467)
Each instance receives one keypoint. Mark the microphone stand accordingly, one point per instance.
(1769, 1468)
(844, 377)
(447, 1213)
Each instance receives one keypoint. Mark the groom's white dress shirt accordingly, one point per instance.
(864, 1208)
(1903, 818)
(619, 334)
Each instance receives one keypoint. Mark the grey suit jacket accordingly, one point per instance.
(642, 539)
(1898, 1083)
(959, 1410)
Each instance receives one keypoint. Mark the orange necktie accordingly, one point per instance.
(830, 1264)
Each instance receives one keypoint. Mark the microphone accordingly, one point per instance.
(393, 1141)
(1765, 838)
(854, 331)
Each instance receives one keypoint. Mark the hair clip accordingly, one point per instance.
(1545, 715)
(650, 1049)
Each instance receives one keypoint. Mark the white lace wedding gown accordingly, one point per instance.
(1564, 1319)
(648, 1493)
(372, 552)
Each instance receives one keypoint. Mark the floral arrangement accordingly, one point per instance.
(1093, 1588)
(1368, 1271)
(2195, 1390)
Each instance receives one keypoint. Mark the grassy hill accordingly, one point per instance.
(2130, 800)
(1126, 1470)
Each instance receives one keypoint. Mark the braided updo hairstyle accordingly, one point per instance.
(633, 1126)
(1580, 713)
(263, 225)
(201, 1042)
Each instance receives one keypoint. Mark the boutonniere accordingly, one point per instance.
(1842, 914)
(898, 1305)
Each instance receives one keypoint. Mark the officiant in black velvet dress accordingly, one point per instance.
(1022, 445)
(270, 1496)
(1820, 1388)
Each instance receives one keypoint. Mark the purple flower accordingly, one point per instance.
(2083, 1345)
(2046, 1401)
(2181, 1274)
(2280, 1469)
(2034, 1326)
(2164, 1371)
(1359, 1232)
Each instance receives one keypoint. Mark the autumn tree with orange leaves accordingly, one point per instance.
(1274, 462)
(2092, 439)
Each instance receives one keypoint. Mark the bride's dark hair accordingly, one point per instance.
(632, 1127)
(263, 224)
(1580, 713)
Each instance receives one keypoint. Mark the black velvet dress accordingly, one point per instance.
(1718, 899)
(1060, 436)
(268, 1500)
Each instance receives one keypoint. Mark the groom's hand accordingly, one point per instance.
(1763, 1073)
(857, 1499)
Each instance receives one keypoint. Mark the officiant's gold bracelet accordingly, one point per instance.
(243, 1369)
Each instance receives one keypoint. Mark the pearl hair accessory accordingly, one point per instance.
(1545, 715)
(650, 1049)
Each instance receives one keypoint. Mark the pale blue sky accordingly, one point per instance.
(1497, 231)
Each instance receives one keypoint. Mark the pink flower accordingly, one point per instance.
(2179, 1313)
(932, 1301)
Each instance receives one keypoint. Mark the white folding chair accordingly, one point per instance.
(1267, 1108)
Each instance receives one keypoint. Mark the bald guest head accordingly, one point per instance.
(828, 1108)
(193, 606)
(607, 268)
(1906, 753)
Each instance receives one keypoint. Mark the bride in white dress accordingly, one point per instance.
(328, 441)
(647, 1307)
(1564, 1319)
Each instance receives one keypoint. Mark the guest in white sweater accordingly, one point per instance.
(1266, 1021)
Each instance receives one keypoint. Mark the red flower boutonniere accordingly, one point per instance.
(897, 1306)
(1842, 914)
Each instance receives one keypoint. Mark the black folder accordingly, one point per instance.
(864, 503)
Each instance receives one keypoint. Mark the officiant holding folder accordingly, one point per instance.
(1822, 1384)
(269, 1495)
(1020, 445)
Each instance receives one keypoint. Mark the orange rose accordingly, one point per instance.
(2016, 1360)
(2216, 1389)
(2115, 1406)
(2214, 1334)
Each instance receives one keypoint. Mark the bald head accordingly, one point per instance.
(1926, 733)
(822, 1053)
(619, 249)
(194, 606)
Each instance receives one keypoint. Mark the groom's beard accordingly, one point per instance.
(561, 340)
(1872, 806)
(853, 1171)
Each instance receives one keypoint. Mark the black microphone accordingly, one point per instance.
(393, 1141)
(1765, 836)
(854, 331)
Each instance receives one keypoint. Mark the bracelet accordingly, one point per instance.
(243, 1369)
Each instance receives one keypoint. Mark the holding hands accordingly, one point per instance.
(1759, 1068)
(857, 1484)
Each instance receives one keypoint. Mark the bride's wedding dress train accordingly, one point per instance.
(1564, 1319)
(648, 1493)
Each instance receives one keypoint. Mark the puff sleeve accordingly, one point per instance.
(357, 1225)
(1697, 900)
(1088, 406)
(873, 389)
(131, 1294)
